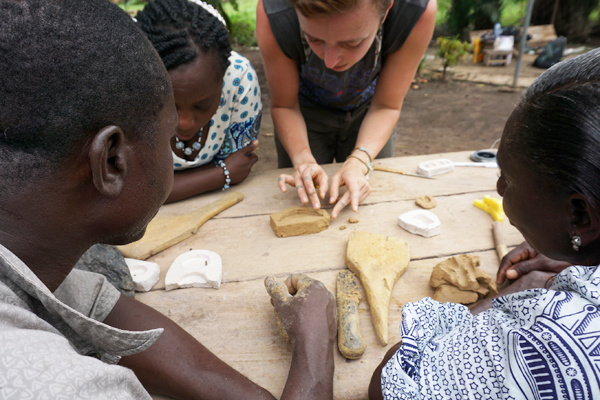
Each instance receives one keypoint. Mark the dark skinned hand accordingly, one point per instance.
(524, 259)
(304, 307)
(532, 280)
(240, 163)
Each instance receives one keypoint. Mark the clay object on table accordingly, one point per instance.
(145, 274)
(195, 268)
(163, 232)
(420, 222)
(426, 202)
(447, 293)
(350, 341)
(459, 279)
(435, 167)
(378, 261)
(299, 220)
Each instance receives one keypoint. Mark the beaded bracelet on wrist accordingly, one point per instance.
(221, 164)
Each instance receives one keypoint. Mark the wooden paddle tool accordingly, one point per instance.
(163, 232)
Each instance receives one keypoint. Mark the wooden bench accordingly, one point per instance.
(493, 57)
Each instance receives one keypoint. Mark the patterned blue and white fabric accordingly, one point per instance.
(237, 120)
(535, 344)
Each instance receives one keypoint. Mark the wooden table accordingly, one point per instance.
(236, 322)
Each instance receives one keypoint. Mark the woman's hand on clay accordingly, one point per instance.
(352, 175)
(304, 307)
(240, 163)
(532, 280)
(524, 259)
(307, 178)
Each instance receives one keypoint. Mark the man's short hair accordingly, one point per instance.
(67, 69)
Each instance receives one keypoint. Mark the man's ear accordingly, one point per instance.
(108, 160)
(584, 219)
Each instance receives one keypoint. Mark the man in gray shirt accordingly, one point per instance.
(86, 118)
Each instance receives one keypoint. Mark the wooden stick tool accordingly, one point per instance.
(399, 171)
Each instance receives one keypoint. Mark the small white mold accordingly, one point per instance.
(420, 222)
(435, 167)
(195, 268)
(145, 274)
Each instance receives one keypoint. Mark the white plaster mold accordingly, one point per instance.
(195, 268)
(145, 274)
(420, 222)
(435, 167)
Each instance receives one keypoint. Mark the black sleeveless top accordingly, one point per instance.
(348, 89)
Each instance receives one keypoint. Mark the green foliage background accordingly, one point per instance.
(241, 15)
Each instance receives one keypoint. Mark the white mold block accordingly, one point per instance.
(435, 167)
(145, 274)
(420, 222)
(195, 268)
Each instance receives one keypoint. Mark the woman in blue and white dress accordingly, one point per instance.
(540, 338)
(217, 95)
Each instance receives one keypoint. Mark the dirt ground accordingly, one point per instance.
(437, 116)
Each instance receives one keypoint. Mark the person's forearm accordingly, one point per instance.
(194, 181)
(177, 365)
(311, 372)
(291, 131)
(376, 129)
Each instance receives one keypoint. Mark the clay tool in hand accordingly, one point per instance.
(501, 248)
(163, 232)
(493, 207)
(399, 171)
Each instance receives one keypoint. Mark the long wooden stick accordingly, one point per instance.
(399, 171)
(501, 248)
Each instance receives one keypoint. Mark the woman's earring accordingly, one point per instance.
(576, 242)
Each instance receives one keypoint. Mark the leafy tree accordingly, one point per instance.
(465, 15)
(451, 50)
(572, 18)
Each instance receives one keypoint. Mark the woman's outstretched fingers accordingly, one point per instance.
(285, 180)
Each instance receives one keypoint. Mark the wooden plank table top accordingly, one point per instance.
(236, 322)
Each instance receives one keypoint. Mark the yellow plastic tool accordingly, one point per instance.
(492, 206)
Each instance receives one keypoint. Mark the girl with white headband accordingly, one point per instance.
(216, 91)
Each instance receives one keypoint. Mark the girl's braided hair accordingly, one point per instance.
(178, 29)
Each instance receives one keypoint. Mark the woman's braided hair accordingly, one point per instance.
(179, 28)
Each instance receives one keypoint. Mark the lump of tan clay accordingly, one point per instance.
(378, 261)
(353, 220)
(451, 294)
(426, 202)
(459, 279)
(350, 341)
(299, 220)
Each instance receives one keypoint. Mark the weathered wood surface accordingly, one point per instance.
(236, 322)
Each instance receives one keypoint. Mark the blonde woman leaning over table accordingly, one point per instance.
(338, 71)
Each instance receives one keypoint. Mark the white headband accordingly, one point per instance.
(210, 9)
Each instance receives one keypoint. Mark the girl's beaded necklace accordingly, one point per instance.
(195, 147)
